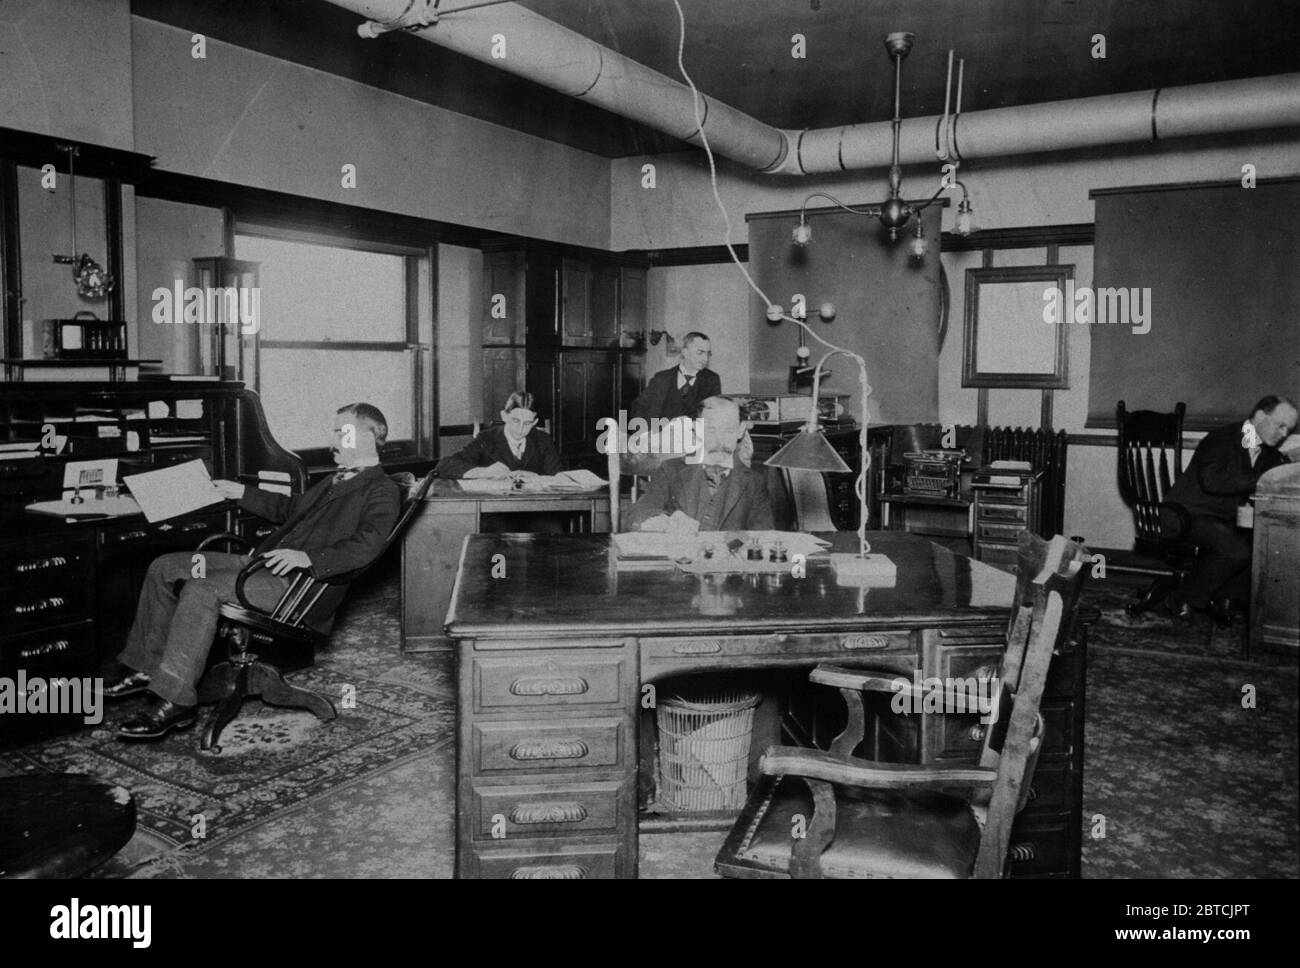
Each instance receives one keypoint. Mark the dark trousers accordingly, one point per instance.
(1223, 565)
(172, 633)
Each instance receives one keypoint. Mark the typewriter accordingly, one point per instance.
(933, 473)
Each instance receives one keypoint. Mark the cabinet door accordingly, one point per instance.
(604, 306)
(503, 374)
(503, 298)
(632, 310)
(576, 303)
(631, 379)
(587, 382)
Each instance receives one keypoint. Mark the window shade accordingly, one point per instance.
(1222, 264)
(887, 309)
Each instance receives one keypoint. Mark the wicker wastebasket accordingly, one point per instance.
(704, 750)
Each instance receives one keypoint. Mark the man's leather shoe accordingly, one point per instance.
(1174, 606)
(158, 720)
(131, 683)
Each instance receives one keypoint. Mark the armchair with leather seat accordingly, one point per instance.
(291, 631)
(825, 813)
(1150, 460)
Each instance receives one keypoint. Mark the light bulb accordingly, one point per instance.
(965, 219)
(919, 245)
(802, 233)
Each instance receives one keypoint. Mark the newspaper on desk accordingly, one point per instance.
(570, 481)
(173, 491)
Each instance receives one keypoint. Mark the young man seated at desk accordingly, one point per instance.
(516, 448)
(711, 490)
(339, 525)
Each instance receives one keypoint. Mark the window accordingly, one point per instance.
(340, 322)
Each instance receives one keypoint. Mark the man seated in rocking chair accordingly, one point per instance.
(337, 526)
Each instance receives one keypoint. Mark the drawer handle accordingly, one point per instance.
(549, 686)
(697, 647)
(535, 813)
(40, 564)
(45, 648)
(40, 605)
(976, 734)
(858, 642)
(549, 872)
(556, 749)
(197, 526)
(1022, 853)
(132, 535)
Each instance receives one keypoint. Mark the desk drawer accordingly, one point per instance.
(1058, 737)
(546, 811)
(529, 680)
(1008, 534)
(47, 567)
(1051, 790)
(1006, 557)
(848, 643)
(547, 745)
(37, 606)
(1038, 848)
(1002, 513)
(1004, 495)
(137, 537)
(593, 862)
(47, 648)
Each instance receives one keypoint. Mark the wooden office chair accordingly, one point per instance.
(242, 625)
(870, 819)
(1150, 459)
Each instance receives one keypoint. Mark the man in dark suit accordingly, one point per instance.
(337, 526)
(711, 490)
(680, 391)
(1221, 475)
(516, 448)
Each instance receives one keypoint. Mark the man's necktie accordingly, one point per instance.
(685, 389)
(714, 475)
(346, 474)
(517, 449)
(1250, 441)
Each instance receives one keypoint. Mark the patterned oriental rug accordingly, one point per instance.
(272, 761)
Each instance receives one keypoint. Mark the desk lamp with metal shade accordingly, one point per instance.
(809, 450)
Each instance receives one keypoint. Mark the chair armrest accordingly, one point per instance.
(234, 539)
(862, 680)
(1184, 519)
(850, 771)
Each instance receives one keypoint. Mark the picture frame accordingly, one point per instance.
(1009, 340)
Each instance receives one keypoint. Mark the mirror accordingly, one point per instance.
(1010, 340)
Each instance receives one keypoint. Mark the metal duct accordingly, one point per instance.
(564, 60)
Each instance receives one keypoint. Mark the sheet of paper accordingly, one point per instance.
(173, 491)
(486, 485)
(89, 473)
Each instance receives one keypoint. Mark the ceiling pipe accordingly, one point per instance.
(547, 53)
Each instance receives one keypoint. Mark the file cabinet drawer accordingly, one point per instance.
(1003, 514)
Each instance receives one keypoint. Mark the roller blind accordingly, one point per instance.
(1218, 270)
(887, 308)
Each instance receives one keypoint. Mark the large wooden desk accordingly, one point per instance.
(431, 549)
(554, 657)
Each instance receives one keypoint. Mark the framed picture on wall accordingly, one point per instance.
(1014, 334)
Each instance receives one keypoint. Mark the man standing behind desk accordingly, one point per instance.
(1221, 475)
(514, 448)
(681, 390)
(710, 491)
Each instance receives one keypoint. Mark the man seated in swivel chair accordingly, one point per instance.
(711, 490)
(337, 526)
(1221, 475)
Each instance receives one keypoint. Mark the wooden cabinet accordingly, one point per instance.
(568, 327)
(1275, 587)
(503, 298)
(1005, 505)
